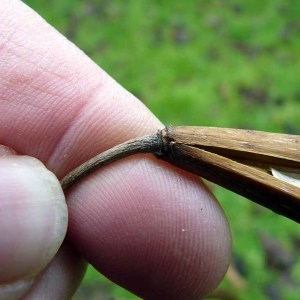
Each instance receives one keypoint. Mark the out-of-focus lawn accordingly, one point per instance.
(216, 63)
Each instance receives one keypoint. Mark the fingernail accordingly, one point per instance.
(33, 218)
(15, 290)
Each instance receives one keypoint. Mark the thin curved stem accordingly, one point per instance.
(145, 144)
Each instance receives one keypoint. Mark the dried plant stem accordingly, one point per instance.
(145, 144)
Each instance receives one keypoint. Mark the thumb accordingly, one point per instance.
(33, 221)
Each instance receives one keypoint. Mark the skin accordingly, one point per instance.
(146, 225)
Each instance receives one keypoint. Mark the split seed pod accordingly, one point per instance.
(242, 161)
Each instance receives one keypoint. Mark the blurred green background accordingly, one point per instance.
(209, 63)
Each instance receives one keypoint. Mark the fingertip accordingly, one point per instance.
(152, 229)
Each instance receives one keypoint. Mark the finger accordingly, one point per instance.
(159, 235)
(61, 277)
(33, 221)
(88, 112)
(53, 98)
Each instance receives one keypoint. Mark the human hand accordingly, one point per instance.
(148, 226)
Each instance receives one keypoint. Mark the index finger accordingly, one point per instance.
(152, 228)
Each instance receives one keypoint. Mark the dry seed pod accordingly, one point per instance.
(239, 160)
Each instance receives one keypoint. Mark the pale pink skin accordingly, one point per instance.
(148, 226)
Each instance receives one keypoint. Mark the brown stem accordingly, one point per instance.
(145, 144)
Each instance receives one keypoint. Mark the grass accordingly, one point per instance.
(212, 63)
